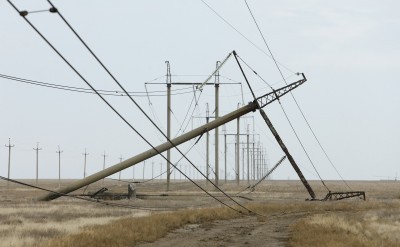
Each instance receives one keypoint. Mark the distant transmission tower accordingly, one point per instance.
(152, 169)
(59, 166)
(37, 149)
(9, 146)
(84, 164)
(104, 163)
(133, 173)
(160, 170)
(120, 160)
(144, 164)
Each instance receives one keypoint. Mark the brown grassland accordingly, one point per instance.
(72, 222)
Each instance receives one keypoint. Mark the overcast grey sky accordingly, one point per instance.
(349, 51)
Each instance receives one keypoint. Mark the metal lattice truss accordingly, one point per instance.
(343, 195)
(276, 94)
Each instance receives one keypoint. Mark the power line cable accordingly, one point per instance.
(311, 192)
(159, 175)
(153, 112)
(301, 143)
(87, 199)
(294, 131)
(116, 81)
(248, 66)
(175, 117)
(88, 90)
(73, 68)
(196, 106)
(280, 72)
(241, 34)
(258, 89)
(190, 75)
(298, 106)
(187, 113)
(282, 110)
(105, 101)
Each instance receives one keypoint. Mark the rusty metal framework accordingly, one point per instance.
(156, 150)
(331, 196)
(276, 94)
(99, 192)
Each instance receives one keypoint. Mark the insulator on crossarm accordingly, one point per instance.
(53, 10)
(23, 13)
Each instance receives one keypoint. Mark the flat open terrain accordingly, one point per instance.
(185, 216)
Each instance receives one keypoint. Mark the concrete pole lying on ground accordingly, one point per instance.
(152, 152)
(252, 106)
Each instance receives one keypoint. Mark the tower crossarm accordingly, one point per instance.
(268, 98)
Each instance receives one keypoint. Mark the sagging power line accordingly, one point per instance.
(115, 111)
(298, 106)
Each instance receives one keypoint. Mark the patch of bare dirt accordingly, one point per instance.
(245, 231)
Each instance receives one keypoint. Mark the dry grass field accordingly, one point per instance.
(187, 217)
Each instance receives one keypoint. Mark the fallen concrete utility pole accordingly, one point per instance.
(276, 135)
(252, 106)
(289, 156)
